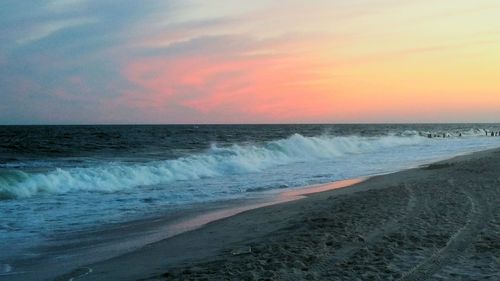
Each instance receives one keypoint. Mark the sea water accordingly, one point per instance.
(64, 179)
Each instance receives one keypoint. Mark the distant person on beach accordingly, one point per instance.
(492, 134)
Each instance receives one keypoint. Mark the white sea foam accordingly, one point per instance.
(216, 161)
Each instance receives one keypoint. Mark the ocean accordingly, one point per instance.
(58, 180)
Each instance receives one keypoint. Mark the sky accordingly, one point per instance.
(223, 61)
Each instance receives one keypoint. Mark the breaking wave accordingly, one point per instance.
(216, 161)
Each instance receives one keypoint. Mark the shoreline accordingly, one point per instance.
(195, 254)
(167, 227)
(115, 240)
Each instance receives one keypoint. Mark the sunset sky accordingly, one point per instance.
(331, 61)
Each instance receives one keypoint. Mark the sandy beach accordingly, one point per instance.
(437, 222)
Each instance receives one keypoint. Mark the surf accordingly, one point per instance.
(216, 161)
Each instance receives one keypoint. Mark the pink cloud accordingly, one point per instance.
(250, 87)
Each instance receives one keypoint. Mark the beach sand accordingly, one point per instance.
(438, 222)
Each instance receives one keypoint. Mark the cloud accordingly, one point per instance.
(229, 75)
(162, 61)
(44, 45)
(46, 29)
(61, 6)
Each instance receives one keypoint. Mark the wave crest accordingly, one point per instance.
(216, 161)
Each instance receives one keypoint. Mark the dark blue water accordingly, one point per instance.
(74, 145)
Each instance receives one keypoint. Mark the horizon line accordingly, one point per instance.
(252, 124)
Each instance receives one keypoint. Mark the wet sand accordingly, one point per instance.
(438, 222)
